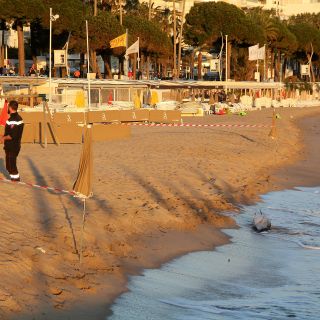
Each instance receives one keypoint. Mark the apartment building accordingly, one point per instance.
(284, 8)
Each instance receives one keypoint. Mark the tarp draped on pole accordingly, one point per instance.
(83, 184)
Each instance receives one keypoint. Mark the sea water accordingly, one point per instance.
(272, 275)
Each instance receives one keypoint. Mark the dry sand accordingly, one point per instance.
(157, 195)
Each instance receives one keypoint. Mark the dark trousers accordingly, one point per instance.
(11, 164)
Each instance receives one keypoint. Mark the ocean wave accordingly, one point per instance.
(306, 246)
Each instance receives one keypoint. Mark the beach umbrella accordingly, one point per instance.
(83, 184)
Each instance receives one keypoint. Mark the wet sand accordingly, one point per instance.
(157, 195)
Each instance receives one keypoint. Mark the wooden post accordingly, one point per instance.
(273, 132)
(45, 125)
(30, 91)
(52, 125)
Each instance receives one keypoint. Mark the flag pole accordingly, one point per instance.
(126, 57)
(88, 63)
(265, 64)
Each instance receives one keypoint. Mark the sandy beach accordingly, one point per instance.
(157, 195)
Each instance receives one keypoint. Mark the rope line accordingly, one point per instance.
(36, 186)
(194, 125)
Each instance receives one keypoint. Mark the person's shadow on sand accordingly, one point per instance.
(3, 169)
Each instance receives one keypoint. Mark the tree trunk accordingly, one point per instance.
(174, 41)
(180, 35)
(93, 60)
(95, 8)
(81, 64)
(107, 68)
(192, 66)
(21, 49)
(148, 66)
(278, 64)
(2, 56)
(199, 65)
(134, 67)
(272, 65)
(150, 6)
(229, 59)
(312, 76)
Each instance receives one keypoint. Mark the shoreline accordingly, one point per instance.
(176, 221)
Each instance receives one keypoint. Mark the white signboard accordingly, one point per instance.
(60, 58)
(215, 65)
(305, 70)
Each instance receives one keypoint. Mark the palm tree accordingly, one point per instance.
(267, 20)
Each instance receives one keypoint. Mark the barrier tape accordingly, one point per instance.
(195, 125)
(57, 190)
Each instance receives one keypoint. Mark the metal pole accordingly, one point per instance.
(88, 63)
(226, 58)
(126, 57)
(50, 61)
(265, 64)
(280, 68)
(138, 54)
(45, 124)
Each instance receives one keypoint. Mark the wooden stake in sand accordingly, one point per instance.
(273, 131)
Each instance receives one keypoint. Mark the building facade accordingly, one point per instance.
(284, 8)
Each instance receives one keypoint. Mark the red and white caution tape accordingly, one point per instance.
(57, 190)
(195, 125)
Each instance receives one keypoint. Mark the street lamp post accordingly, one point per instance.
(227, 54)
(52, 18)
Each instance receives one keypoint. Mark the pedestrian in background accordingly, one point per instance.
(12, 140)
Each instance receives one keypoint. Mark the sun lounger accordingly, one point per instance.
(167, 105)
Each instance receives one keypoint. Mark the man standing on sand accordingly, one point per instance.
(12, 140)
